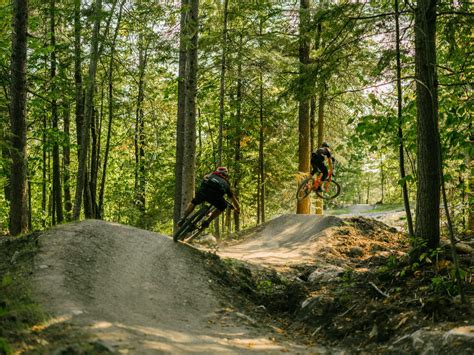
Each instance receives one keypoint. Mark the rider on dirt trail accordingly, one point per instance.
(212, 189)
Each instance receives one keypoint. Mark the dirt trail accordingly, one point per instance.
(138, 292)
(285, 241)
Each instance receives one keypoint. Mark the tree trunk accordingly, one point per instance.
(238, 134)
(57, 192)
(382, 178)
(78, 75)
(261, 157)
(18, 205)
(81, 171)
(6, 156)
(93, 162)
(312, 124)
(44, 195)
(222, 82)
(110, 113)
(321, 103)
(406, 199)
(189, 155)
(428, 154)
(67, 164)
(303, 207)
(139, 129)
(183, 43)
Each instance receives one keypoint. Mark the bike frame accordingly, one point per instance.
(318, 182)
(189, 229)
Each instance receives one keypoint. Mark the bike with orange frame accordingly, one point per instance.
(327, 189)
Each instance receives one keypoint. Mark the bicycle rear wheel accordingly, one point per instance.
(305, 188)
(330, 190)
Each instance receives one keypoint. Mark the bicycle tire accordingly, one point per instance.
(190, 224)
(305, 188)
(332, 192)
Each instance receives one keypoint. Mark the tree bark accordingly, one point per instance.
(406, 199)
(81, 172)
(321, 103)
(18, 206)
(183, 41)
(382, 179)
(139, 129)
(312, 124)
(79, 115)
(303, 207)
(261, 156)
(93, 161)
(67, 164)
(238, 134)
(189, 155)
(44, 195)
(428, 153)
(222, 82)
(57, 192)
(110, 113)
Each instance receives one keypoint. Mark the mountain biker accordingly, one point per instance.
(317, 161)
(212, 189)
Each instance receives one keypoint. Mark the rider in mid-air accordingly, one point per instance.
(212, 189)
(317, 161)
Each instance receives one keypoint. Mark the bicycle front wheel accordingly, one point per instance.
(305, 188)
(190, 224)
(330, 190)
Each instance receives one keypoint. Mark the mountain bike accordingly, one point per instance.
(192, 226)
(326, 190)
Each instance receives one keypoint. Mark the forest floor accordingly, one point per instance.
(297, 284)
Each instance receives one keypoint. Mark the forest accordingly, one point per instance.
(115, 109)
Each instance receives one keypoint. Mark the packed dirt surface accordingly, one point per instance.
(291, 241)
(298, 283)
(139, 292)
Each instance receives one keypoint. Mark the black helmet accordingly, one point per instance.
(325, 145)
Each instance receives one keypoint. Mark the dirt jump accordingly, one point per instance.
(139, 292)
(135, 291)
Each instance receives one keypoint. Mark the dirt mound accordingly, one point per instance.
(295, 240)
(140, 292)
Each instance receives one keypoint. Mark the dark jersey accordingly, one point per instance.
(323, 151)
(218, 184)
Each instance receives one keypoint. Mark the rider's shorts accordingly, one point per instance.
(207, 194)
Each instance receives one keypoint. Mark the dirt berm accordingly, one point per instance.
(285, 241)
(139, 292)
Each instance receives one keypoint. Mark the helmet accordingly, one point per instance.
(222, 170)
(325, 145)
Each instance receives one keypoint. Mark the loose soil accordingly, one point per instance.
(298, 284)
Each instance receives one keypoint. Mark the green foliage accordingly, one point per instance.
(5, 348)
